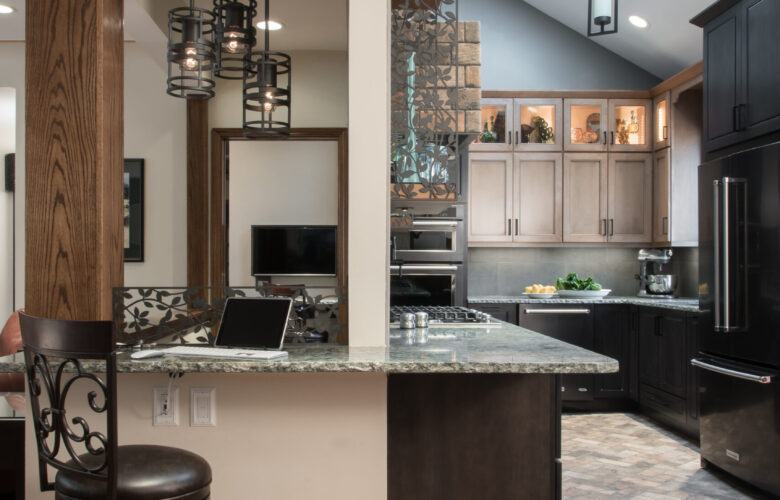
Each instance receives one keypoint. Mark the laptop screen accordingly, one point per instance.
(257, 323)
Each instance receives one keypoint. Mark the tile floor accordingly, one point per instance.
(626, 455)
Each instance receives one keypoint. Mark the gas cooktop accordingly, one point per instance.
(445, 316)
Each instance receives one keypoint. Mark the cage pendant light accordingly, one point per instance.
(191, 56)
(266, 98)
(602, 14)
(235, 36)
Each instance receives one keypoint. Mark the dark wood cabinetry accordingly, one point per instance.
(569, 323)
(741, 71)
(502, 312)
(615, 336)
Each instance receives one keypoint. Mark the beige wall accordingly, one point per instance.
(369, 178)
(282, 436)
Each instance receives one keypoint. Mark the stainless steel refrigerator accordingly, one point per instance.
(739, 295)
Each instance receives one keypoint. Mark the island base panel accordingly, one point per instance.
(464, 436)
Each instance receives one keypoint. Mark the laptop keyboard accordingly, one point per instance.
(218, 352)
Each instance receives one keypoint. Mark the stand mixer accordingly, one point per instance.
(653, 284)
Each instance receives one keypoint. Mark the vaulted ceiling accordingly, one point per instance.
(667, 46)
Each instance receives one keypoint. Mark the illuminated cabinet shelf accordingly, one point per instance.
(599, 125)
(516, 125)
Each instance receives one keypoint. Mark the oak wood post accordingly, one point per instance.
(74, 147)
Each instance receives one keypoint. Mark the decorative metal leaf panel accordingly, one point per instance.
(191, 315)
(425, 118)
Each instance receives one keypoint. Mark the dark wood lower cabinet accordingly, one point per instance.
(503, 312)
(615, 336)
(12, 459)
(464, 436)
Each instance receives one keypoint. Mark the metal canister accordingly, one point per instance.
(421, 319)
(407, 320)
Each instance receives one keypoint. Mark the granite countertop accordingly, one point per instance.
(503, 349)
(676, 304)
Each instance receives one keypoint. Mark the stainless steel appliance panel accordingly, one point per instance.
(427, 285)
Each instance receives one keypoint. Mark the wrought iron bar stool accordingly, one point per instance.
(89, 463)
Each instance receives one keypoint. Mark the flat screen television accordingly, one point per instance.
(294, 250)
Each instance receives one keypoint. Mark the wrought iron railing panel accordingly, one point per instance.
(189, 315)
(425, 116)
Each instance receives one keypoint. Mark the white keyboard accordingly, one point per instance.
(220, 352)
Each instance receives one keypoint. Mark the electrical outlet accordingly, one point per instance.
(203, 406)
(166, 408)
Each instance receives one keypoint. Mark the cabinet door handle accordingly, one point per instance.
(517, 231)
(666, 132)
(613, 136)
(556, 311)
(605, 137)
(664, 223)
(604, 223)
(509, 137)
(742, 112)
(612, 227)
(509, 227)
(735, 117)
(517, 137)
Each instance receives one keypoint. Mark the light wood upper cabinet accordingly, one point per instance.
(630, 206)
(490, 197)
(497, 117)
(538, 198)
(538, 124)
(662, 136)
(585, 197)
(585, 125)
(661, 196)
(629, 125)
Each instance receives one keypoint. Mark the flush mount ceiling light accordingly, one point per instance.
(234, 36)
(272, 25)
(5, 9)
(267, 91)
(639, 22)
(191, 52)
(602, 17)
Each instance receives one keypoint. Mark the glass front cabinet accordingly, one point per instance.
(662, 121)
(607, 125)
(520, 125)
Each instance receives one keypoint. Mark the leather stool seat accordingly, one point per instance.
(144, 472)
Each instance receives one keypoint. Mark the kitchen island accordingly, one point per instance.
(451, 412)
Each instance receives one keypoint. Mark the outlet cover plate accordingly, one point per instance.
(203, 407)
(166, 413)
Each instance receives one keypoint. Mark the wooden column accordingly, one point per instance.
(74, 147)
(197, 193)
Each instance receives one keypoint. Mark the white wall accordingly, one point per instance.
(369, 176)
(7, 145)
(282, 436)
(12, 76)
(279, 182)
(319, 93)
(155, 130)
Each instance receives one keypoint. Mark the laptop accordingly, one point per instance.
(250, 328)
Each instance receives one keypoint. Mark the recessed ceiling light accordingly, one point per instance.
(639, 22)
(272, 25)
(4, 9)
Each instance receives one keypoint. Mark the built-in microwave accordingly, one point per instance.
(427, 285)
(431, 237)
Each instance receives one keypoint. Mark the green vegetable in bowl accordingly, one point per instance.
(573, 282)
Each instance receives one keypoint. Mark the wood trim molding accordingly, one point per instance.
(217, 246)
(678, 79)
(570, 94)
(197, 193)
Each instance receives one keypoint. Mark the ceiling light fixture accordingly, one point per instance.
(639, 22)
(234, 36)
(267, 91)
(191, 56)
(602, 14)
(5, 9)
(272, 25)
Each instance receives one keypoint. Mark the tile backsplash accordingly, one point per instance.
(507, 271)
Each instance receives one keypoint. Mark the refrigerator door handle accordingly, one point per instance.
(716, 250)
(761, 379)
(728, 324)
